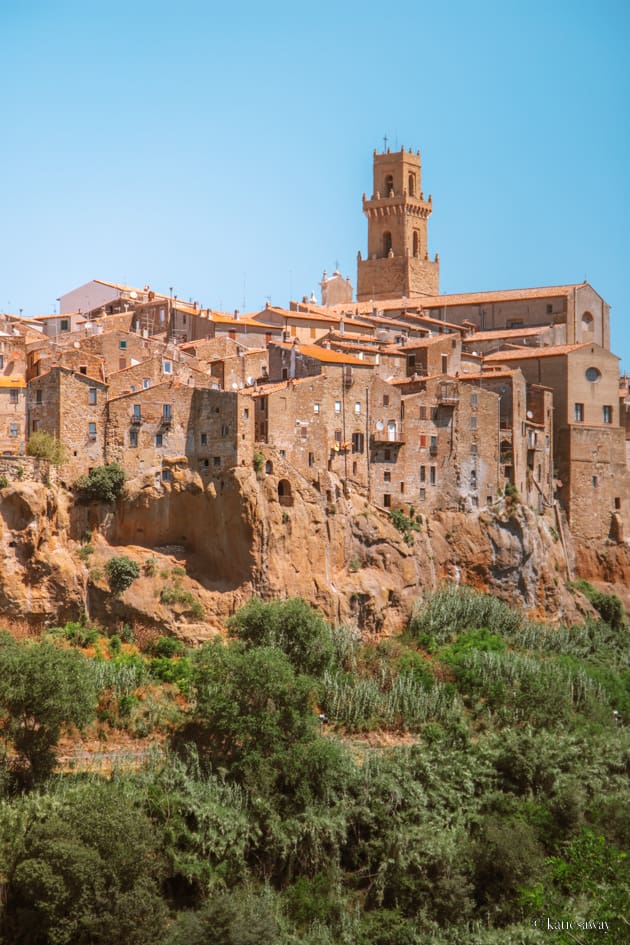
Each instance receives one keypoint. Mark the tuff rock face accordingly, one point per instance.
(204, 549)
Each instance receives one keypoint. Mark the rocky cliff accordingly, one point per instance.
(203, 549)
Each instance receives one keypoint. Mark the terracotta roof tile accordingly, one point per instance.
(520, 354)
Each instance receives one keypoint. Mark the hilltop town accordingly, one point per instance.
(411, 400)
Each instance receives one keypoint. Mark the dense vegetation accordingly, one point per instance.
(463, 783)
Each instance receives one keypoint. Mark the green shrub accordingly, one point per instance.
(259, 462)
(168, 647)
(4, 482)
(45, 446)
(150, 567)
(121, 573)
(103, 484)
(608, 606)
(176, 595)
(85, 551)
(405, 524)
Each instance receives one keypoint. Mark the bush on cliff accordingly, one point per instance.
(103, 484)
(121, 573)
(45, 446)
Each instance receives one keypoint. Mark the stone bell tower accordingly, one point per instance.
(398, 261)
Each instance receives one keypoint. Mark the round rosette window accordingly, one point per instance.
(593, 374)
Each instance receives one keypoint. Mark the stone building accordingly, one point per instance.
(12, 415)
(589, 442)
(149, 429)
(70, 406)
(397, 262)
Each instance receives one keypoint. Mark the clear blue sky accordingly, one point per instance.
(223, 149)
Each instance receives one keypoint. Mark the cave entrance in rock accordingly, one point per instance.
(285, 496)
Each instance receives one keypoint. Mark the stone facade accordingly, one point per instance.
(210, 430)
(71, 407)
(12, 415)
(398, 262)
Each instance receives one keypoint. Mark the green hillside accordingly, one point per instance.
(465, 783)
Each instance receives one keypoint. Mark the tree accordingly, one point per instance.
(291, 626)
(45, 446)
(121, 573)
(42, 688)
(85, 871)
(102, 484)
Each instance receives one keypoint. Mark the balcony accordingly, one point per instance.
(388, 432)
(135, 419)
(447, 395)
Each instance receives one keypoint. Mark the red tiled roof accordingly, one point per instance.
(520, 354)
(325, 355)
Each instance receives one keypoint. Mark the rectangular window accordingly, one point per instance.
(315, 408)
(432, 475)
(38, 396)
(137, 411)
(473, 449)
(167, 367)
(402, 487)
(385, 400)
(388, 455)
(146, 383)
(338, 436)
(579, 413)
(13, 395)
(65, 324)
(166, 412)
(159, 440)
(607, 413)
(246, 413)
(92, 395)
(423, 413)
(594, 480)
(473, 423)
(549, 309)
(92, 431)
(357, 407)
(411, 363)
(13, 429)
(216, 460)
(204, 439)
(122, 345)
(83, 369)
(422, 494)
(474, 398)
(162, 315)
(337, 406)
(387, 501)
(133, 438)
(311, 459)
(357, 442)
(166, 475)
(423, 440)
(304, 432)
(434, 445)
(387, 476)
(423, 474)
(1, 362)
(444, 363)
(225, 429)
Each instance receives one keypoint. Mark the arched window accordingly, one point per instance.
(285, 496)
(588, 326)
(389, 184)
(387, 242)
(268, 467)
(411, 186)
(416, 244)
